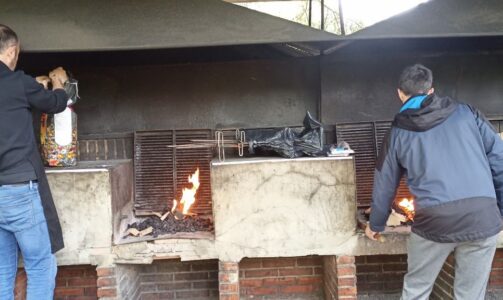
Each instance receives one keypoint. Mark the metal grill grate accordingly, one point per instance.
(498, 124)
(366, 139)
(360, 136)
(187, 161)
(381, 130)
(162, 171)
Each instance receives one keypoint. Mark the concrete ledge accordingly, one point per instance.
(300, 208)
(190, 249)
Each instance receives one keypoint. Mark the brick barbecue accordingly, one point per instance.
(281, 229)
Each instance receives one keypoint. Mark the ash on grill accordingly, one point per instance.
(171, 225)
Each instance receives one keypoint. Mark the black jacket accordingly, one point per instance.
(453, 161)
(19, 157)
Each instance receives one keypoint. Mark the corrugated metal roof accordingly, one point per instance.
(93, 25)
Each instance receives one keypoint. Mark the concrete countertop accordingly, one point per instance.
(88, 166)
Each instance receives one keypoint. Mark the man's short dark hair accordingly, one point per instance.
(415, 80)
(7, 38)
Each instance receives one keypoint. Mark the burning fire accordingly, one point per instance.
(175, 204)
(188, 195)
(408, 207)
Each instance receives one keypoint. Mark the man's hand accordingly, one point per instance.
(58, 77)
(370, 234)
(43, 80)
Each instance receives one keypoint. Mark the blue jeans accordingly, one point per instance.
(23, 226)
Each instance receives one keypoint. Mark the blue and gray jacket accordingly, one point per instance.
(452, 158)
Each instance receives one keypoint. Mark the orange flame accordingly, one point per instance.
(408, 207)
(175, 204)
(189, 195)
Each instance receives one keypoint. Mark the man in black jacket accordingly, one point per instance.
(453, 161)
(28, 218)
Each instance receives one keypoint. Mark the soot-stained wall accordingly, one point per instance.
(359, 83)
(265, 93)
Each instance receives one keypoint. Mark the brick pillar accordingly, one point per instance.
(495, 287)
(228, 280)
(340, 277)
(20, 288)
(107, 287)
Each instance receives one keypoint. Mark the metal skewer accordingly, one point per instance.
(220, 143)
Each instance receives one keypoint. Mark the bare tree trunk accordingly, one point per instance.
(341, 18)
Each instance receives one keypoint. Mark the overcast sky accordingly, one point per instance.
(373, 11)
(366, 11)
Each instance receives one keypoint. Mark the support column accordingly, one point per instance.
(228, 280)
(340, 277)
(107, 286)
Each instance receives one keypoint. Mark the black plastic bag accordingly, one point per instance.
(288, 142)
(72, 90)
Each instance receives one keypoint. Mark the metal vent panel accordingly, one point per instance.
(161, 171)
(360, 136)
(366, 139)
(497, 123)
(382, 129)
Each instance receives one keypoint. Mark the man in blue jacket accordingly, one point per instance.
(28, 217)
(453, 161)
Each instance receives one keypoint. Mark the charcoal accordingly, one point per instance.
(171, 225)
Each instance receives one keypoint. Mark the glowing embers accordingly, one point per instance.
(407, 207)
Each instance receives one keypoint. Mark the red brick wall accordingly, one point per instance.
(106, 282)
(281, 278)
(228, 279)
(496, 278)
(380, 274)
(76, 282)
(384, 274)
(340, 277)
(330, 277)
(169, 279)
(20, 288)
(72, 283)
(444, 284)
